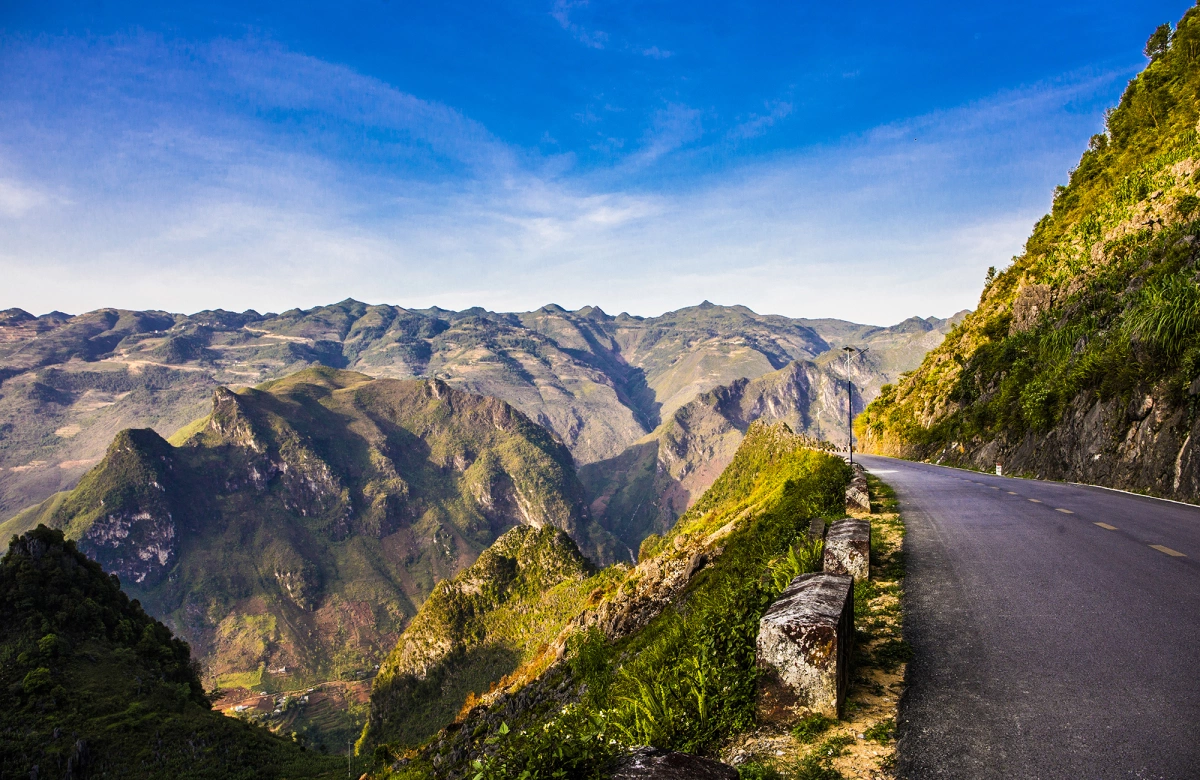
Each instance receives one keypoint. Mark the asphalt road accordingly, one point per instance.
(1056, 629)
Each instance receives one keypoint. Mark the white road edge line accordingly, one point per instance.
(1048, 481)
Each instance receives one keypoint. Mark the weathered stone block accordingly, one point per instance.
(858, 498)
(647, 763)
(848, 548)
(804, 644)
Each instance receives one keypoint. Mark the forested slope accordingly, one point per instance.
(1082, 359)
(91, 686)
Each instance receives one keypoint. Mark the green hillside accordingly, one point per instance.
(1081, 358)
(291, 534)
(498, 615)
(658, 654)
(91, 686)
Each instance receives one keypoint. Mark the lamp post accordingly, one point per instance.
(851, 352)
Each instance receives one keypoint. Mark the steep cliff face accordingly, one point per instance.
(476, 628)
(1082, 358)
(124, 515)
(299, 524)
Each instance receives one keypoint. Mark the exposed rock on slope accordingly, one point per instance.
(1082, 359)
(299, 523)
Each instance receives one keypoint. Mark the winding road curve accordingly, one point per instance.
(1056, 629)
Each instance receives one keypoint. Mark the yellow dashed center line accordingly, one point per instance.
(1034, 500)
(1168, 551)
(1011, 493)
(1106, 526)
(995, 488)
(1064, 511)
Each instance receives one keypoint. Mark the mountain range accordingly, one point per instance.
(601, 383)
(292, 533)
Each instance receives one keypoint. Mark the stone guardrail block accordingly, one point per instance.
(804, 644)
(848, 548)
(858, 498)
(647, 763)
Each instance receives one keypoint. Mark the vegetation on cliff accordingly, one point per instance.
(665, 655)
(499, 614)
(1102, 306)
(91, 686)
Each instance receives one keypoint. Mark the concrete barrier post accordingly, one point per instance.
(848, 548)
(858, 498)
(804, 644)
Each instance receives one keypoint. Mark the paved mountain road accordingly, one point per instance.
(1056, 629)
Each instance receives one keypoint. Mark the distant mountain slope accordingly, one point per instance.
(1082, 359)
(661, 653)
(299, 524)
(650, 484)
(601, 383)
(495, 616)
(90, 686)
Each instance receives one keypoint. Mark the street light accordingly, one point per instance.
(851, 352)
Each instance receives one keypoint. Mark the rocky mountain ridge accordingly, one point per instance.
(298, 525)
(69, 384)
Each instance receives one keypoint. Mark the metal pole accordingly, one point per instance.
(848, 351)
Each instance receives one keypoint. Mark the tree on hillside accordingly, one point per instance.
(1159, 42)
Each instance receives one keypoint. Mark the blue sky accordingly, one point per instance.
(861, 160)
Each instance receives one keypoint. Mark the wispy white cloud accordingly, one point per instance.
(758, 124)
(671, 128)
(653, 52)
(212, 209)
(595, 39)
(18, 198)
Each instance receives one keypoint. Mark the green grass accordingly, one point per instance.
(811, 727)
